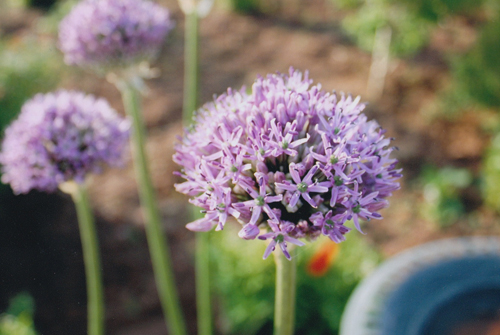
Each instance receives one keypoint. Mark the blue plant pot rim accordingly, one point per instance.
(421, 320)
(362, 315)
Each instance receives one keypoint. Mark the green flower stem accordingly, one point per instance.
(190, 67)
(91, 257)
(160, 254)
(284, 304)
(202, 267)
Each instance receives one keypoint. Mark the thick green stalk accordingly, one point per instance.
(202, 268)
(90, 248)
(284, 304)
(160, 254)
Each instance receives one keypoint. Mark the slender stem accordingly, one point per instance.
(380, 62)
(202, 267)
(90, 248)
(158, 249)
(190, 67)
(284, 304)
(203, 305)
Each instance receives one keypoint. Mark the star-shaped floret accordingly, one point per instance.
(304, 186)
(280, 238)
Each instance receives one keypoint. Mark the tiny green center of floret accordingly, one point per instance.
(302, 187)
(280, 238)
(329, 224)
(356, 209)
(260, 201)
(222, 207)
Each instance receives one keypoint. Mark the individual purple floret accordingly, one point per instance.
(288, 161)
(107, 34)
(59, 137)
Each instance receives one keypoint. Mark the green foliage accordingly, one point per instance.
(18, 320)
(30, 64)
(436, 10)
(246, 6)
(252, 7)
(441, 189)
(21, 303)
(27, 67)
(477, 74)
(49, 23)
(409, 31)
(348, 4)
(491, 175)
(13, 4)
(42, 4)
(321, 300)
(411, 21)
(245, 284)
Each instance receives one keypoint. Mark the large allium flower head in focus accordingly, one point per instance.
(106, 35)
(59, 137)
(288, 161)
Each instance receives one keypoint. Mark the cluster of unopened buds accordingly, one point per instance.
(289, 161)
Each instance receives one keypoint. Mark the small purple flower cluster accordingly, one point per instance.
(288, 161)
(107, 34)
(59, 137)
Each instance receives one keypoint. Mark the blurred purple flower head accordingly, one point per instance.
(288, 161)
(59, 137)
(109, 34)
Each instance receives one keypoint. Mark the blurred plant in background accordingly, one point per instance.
(364, 17)
(403, 28)
(437, 10)
(48, 24)
(491, 175)
(18, 319)
(27, 66)
(118, 39)
(442, 189)
(410, 20)
(476, 75)
(327, 273)
(384, 28)
(42, 4)
(277, 9)
(30, 62)
(246, 6)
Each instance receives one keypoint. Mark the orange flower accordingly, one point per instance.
(322, 259)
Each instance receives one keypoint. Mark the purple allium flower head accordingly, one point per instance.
(107, 34)
(288, 161)
(59, 137)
